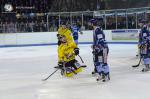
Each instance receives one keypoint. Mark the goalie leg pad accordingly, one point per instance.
(77, 64)
(105, 69)
(78, 70)
(68, 72)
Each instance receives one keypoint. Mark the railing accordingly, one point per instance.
(43, 22)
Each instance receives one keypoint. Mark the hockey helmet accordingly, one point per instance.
(93, 21)
(63, 23)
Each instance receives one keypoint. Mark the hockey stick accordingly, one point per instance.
(138, 63)
(50, 75)
(140, 58)
(82, 61)
(81, 58)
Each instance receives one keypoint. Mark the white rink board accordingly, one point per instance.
(44, 38)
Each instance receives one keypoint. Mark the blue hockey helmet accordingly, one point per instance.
(94, 21)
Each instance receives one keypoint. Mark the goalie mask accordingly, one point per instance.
(62, 39)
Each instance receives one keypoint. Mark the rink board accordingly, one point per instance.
(49, 38)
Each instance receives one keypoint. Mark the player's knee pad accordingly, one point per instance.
(106, 69)
(146, 61)
(99, 68)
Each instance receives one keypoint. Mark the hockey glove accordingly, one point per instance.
(76, 51)
(95, 51)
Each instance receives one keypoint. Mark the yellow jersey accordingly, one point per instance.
(66, 52)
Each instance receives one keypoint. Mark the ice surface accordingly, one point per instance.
(23, 68)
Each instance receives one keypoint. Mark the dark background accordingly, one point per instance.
(72, 5)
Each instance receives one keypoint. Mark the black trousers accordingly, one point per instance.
(71, 64)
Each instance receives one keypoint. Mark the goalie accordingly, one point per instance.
(63, 30)
(66, 57)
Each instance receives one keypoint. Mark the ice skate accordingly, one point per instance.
(105, 77)
(99, 78)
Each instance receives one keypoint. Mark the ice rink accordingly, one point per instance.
(23, 68)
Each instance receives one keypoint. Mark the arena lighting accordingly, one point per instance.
(8, 7)
(18, 15)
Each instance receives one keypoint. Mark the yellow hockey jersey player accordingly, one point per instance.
(66, 57)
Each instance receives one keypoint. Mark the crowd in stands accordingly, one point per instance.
(42, 24)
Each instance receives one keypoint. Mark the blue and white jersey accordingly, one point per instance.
(144, 41)
(144, 34)
(97, 35)
(75, 31)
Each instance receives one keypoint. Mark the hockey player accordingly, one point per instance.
(144, 32)
(97, 34)
(100, 53)
(145, 54)
(66, 55)
(100, 60)
(75, 32)
(144, 45)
